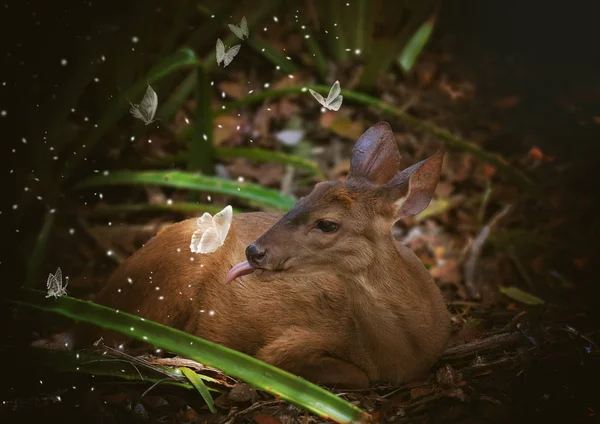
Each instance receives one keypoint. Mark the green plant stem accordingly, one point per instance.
(201, 155)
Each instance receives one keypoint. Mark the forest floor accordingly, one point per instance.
(514, 358)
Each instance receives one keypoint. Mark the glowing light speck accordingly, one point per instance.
(63, 62)
(3, 113)
(135, 39)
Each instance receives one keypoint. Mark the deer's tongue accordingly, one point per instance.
(243, 268)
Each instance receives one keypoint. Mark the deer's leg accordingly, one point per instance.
(305, 353)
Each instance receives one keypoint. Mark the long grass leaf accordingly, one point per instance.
(201, 154)
(97, 364)
(257, 373)
(200, 386)
(39, 252)
(416, 44)
(179, 207)
(186, 180)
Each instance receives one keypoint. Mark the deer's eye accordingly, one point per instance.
(327, 226)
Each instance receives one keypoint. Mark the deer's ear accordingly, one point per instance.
(411, 190)
(375, 156)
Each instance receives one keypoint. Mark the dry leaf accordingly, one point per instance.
(265, 419)
(225, 128)
(418, 392)
(232, 89)
(343, 125)
(507, 102)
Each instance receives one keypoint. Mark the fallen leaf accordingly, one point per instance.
(488, 170)
(225, 128)
(447, 272)
(418, 392)
(232, 89)
(519, 295)
(343, 126)
(265, 419)
(447, 376)
(507, 102)
(290, 137)
(536, 153)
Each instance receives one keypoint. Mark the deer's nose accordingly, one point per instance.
(255, 255)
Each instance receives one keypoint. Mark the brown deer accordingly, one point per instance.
(326, 292)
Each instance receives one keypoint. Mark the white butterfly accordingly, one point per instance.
(334, 99)
(211, 231)
(241, 30)
(54, 285)
(147, 108)
(226, 58)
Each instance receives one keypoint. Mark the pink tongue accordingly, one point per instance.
(243, 268)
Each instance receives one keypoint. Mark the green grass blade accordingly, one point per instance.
(252, 153)
(263, 155)
(272, 54)
(201, 387)
(39, 252)
(180, 207)
(185, 180)
(97, 364)
(416, 44)
(255, 372)
(120, 105)
(201, 154)
(453, 141)
(522, 296)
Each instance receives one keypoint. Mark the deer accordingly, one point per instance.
(323, 291)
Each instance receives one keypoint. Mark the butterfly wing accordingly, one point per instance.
(244, 27)
(317, 96)
(50, 283)
(231, 53)
(333, 92)
(204, 223)
(149, 104)
(220, 51)
(222, 222)
(135, 111)
(209, 242)
(335, 105)
(236, 30)
(58, 277)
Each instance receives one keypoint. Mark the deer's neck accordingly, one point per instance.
(381, 296)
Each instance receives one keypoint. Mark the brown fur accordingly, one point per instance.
(352, 307)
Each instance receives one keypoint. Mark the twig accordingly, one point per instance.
(493, 342)
(258, 405)
(476, 248)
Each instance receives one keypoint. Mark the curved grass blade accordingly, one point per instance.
(453, 141)
(183, 207)
(252, 153)
(257, 373)
(522, 296)
(415, 45)
(39, 251)
(197, 182)
(264, 155)
(120, 105)
(96, 364)
(200, 386)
